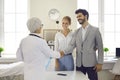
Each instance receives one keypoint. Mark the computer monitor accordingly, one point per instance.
(117, 52)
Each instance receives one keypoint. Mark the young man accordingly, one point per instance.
(87, 39)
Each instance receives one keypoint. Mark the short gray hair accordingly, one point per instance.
(33, 24)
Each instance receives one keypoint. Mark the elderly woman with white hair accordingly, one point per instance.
(35, 52)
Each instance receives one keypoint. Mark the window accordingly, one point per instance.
(106, 17)
(1, 23)
(92, 7)
(111, 24)
(15, 17)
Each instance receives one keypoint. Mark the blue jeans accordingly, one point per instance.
(66, 63)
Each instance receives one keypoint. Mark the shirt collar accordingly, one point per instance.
(85, 27)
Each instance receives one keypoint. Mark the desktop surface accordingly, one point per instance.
(65, 75)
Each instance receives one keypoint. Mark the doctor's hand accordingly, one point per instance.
(61, 53)
(98, 67)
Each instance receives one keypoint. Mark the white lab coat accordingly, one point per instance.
(35, 53)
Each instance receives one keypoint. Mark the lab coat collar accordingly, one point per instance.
(35, 34)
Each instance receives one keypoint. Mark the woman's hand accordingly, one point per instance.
(56, 65)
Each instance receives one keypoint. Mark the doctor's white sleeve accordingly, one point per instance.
(19, 54)
(49, 52)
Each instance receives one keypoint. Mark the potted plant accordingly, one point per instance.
(1, 49)
(106, 50)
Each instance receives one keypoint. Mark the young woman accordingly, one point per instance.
(62, 39)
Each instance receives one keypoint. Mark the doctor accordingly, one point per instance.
(35, 52)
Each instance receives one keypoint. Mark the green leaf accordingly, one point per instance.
(1, 49)
(106, 49)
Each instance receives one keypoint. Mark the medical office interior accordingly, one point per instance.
(104, 14)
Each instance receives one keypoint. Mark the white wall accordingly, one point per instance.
(40, 8)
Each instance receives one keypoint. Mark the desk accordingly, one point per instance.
(109, 62)
(71, 75)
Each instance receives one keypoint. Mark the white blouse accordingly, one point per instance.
(61, 41)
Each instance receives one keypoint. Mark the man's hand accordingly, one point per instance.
(98, 67)
(61, 53)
